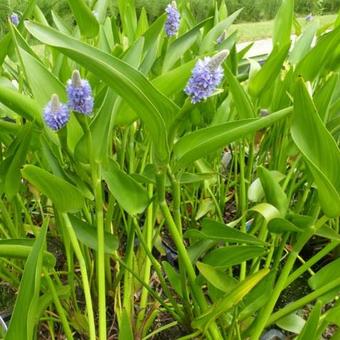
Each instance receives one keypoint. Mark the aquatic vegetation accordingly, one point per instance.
(157, 181)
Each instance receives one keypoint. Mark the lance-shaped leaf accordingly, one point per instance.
(229, 300)
(209, 42)
(213, 230)
(242, 101)
(318, 148)
(86, 20)
(21, 104)
(202, 142)
(315, 60)
(126, 190)
(269, 71)
(26, 303)
(65, 196)
(283, 23)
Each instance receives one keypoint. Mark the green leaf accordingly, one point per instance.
(100, 131)
(175, 80)
(61, 26)
(283, 23)
(131, 196)
(327, 232)
(291, 323)
(273, 191)
(87, 234)
(265, 78)
(101, 10)
(209, 42)
(21, 104)
(268, 211)
(202, 142)
(213, 230)
(280, 225)
(315, 60)
(122, 112)
(22, 248)
(153, 107)
(42, 82)
(177, 49)
(12, 179)
(228, 256)
(321, 152)
(26, 302)
(86, 21)
(128, 18)
(242, 101)
(173, 277)
(125, 327)
(310, 329)
(229, 300)
(65, 196)
(258, 297)
(216, 277)
(303, 44)
(326, 274)
(323, 96)
(152, 34)
(255, 191)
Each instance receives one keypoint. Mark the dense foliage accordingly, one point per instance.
(154, 180)
(253, 10)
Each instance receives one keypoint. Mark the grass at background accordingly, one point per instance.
(251, 31)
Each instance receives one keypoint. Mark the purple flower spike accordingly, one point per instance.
(56, 114)
(79, 94)
(15, 19)
(173, 19)
(206, 76)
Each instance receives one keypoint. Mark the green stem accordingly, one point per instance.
(58, 306)
(243, 204)
(148, 234)
(176, 191)
(7, 219)
(97, 188)
(100, 257)
(146, 285)
(281, 282)
(84, 276)
(303, 301)
(197, 293)
(317, 257)
(158, 270)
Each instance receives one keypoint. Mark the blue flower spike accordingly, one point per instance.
(56, 114)
(79, 94)
(173, 19)
(206, 76)
(15, 19)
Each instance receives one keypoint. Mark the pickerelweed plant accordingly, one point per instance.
(154, 179)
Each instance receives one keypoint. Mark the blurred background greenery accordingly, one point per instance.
(253, 10)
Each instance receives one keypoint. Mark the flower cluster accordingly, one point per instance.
(173, 19)
(80, 99)
(206, 76)
(15, 19)
(79, 94)
(56, 114)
